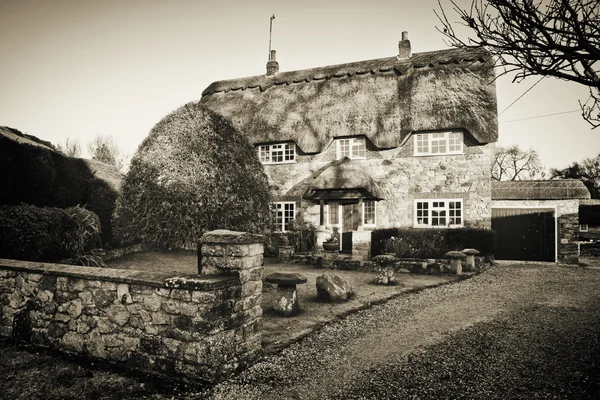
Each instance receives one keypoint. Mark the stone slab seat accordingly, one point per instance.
(286, 301)
(281, 278)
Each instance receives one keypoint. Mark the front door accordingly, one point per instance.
(350, 217)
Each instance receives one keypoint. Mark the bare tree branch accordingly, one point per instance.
(512, 163)
(558, 38)
(71, 148)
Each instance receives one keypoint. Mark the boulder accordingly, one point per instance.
(333, 288)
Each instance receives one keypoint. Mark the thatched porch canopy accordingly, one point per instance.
(385, 99)
(343, 180)
(539, 190)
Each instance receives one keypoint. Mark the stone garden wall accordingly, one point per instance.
(201, 327)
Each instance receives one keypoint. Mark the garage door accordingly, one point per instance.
(524, 233)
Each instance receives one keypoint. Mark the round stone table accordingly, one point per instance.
(286, 301)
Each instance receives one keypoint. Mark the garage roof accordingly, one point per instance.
(559, 189)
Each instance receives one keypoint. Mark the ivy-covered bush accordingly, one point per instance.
(193, 173)
(431, 243)
(47, 234)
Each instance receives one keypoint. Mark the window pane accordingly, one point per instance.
(263, 154)
(333, 213)
(276, 153)
(288, 214)
(344, 147)
(358, 148)
(455, 142)
(369, 216)
(290, 152)
(422, 144)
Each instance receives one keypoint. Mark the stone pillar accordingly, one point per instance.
(239, 253)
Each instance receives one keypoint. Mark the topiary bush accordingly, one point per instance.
(431, 243)
(193, 173)
(47, 234)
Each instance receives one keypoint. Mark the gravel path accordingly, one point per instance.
(525, 331)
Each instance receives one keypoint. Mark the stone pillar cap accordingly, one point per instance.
(227, 236)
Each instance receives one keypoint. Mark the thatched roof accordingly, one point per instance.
(539, 190)
(386, 99)
(18, 136)
(589, 211)
(343, 175)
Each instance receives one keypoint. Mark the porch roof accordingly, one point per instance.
(344, 179)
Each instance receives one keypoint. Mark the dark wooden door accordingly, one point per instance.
(350, 216)
(524, 234)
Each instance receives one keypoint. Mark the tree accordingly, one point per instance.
(71, 148)
(588, 171)
(558, 38)
(513, 164)
(105, 149)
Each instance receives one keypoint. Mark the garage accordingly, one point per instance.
(525, 233)
(537, 220)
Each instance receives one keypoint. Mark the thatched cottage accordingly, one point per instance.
(402, 141)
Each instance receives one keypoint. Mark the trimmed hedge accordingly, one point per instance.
(42, 177)
(193, 173)
(432, 243)
(47, 234)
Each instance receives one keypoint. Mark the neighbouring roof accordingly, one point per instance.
(18, 136)
(589, 211)
(385, 99)
(539, 190)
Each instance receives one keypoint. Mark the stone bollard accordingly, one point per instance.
(241, 254)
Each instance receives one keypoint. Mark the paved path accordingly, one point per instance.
(426, 345)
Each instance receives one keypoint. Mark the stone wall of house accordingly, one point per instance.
(201, 327)
(567, 215)
(403, 178)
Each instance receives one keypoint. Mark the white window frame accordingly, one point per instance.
(279, 206)
(424, 143)
(583, 227)
(352, 142)
(446, 208)
(364, 221)
(269, 150)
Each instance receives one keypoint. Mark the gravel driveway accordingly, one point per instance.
(519, 331)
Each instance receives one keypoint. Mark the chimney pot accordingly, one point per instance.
(272, 64)
(404, 50)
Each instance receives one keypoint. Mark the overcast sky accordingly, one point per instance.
(78, 68)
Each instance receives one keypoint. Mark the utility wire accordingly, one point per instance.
(524, 93)
(539, 116)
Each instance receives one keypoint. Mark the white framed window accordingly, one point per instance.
(334, 213)
(583, 227)
(353, 148)
(285, 211)
(438, 213)
(279, 153)
(369, 213)
(438, 143)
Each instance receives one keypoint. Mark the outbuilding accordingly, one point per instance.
(537, 220)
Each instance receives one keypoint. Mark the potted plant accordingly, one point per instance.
(331, 244)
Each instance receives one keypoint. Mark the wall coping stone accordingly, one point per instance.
(156, 279)
(234, 237)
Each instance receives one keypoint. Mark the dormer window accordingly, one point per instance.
(279, 153)
(353, 148)
(438, 143)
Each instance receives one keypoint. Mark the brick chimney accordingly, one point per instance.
(272, 65)
(404, 47)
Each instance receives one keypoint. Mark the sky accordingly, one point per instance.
(79, 68)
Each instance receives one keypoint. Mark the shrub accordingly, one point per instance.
(431, 243)
(193, 173)
(47, 234)
(40, 176)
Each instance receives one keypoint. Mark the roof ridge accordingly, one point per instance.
(372, 66)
